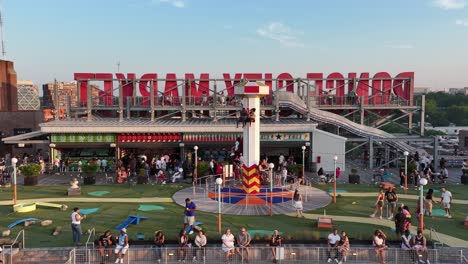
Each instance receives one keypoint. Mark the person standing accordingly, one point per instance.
(122, 246)
(159, 241)
(190, 209)
(297, 200)
(243, 241)
(392, 200)
(200, 243)
(76, 225)
(429, 202)
(446, 201)
(332, 246)
(379, 204)
(400, 221)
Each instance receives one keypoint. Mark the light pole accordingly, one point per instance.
(219, 181)
(335, 158)
(52, 147)
(195, 171)
(406, 153)
(422, 183)
(271, 166)
(303, 164)
(13, 162)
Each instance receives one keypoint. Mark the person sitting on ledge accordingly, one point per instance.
(243, 117)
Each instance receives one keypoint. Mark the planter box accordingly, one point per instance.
(142, 180)
(89, 179)
(31, 180)
(464, 179)
(354, 179)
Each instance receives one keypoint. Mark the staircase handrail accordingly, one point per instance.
(10, 247)
(296, 103)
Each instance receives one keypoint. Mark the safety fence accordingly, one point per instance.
(287, 254)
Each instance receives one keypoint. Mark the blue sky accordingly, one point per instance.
(50, 39)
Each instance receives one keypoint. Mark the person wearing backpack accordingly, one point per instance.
(392, 200)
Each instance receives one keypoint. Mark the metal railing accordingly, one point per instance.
(71, 257)
(287, 254)
(257, 253)
(8, 249)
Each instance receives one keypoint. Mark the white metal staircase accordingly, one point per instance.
(293, 101)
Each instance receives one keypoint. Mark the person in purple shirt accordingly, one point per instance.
(189, 218)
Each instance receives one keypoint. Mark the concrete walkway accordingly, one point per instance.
(92, 200)
(446, 239)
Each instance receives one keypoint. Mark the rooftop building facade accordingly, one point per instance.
(8, 91)
(28, 96)
(64, 90)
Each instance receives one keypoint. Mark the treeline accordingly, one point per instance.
(443, 109)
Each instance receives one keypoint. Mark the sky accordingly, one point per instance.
(50, 39)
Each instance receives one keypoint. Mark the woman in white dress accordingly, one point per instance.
(228, 244)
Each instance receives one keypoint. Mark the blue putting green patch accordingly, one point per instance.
(338, 191)
(438, 212)
(98, 193)
(150, 207)
(89, 211)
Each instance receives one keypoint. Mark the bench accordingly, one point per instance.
(325, 222)
(466, 221)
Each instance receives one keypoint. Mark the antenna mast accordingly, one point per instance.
(1, 32)
(118, 64)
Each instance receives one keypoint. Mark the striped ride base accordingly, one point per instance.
(236, 195)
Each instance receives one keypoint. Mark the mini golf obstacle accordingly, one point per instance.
(29, 207)
(131, 220)
(17, 222)
(196, 226)
(89, 210)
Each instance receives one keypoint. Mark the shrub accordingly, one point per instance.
(203, 168)
(30, 170)
(90, 168)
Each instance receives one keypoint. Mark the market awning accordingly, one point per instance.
(35, 137)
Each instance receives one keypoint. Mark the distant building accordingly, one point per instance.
(64, 89)
(421, 90)
(8, 91)
(463, 91)
(28, 96)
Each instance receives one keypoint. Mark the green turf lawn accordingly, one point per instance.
(171, 219)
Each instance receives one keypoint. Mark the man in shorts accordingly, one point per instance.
(392, 200)
(189, 218)
(122, 246)
(243, 242)
(446, 201)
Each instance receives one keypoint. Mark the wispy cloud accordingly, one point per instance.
(174, 3)
(400, 46)
(451, 4)
(462, 22)
(279, 32)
